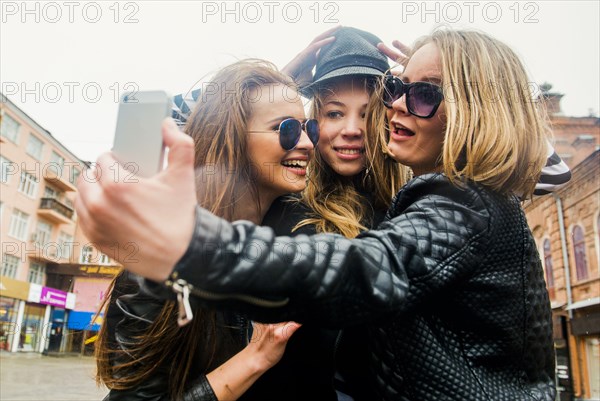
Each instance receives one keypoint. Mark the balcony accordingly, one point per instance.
(55, 212)
(45, 254)
(53, 174)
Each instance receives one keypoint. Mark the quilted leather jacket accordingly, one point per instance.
(450, 284)
(304, 373)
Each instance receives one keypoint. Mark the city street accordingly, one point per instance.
(34, 377)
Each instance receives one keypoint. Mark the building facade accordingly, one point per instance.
(566, 229)
(44, 253)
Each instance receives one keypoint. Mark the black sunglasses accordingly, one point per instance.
(422, 98)
(291, 129)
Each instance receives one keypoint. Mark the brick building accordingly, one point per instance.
(575, 138)
(566, 228)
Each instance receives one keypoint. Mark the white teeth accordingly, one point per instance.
(295, 163)
(349, 151)
(401, 127)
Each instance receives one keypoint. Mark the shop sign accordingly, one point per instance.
(90, 292)
(35, 293)
(11, 288)
(51, 296)
(71, 298)
(108, 270)
(84, 321)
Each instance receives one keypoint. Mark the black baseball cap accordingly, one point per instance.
(354, 52)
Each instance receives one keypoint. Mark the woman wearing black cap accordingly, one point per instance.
(351, 183)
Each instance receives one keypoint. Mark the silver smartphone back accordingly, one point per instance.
(138, 144)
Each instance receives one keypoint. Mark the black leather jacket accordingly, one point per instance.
(131, 312)
(304, 373)
(451, 287)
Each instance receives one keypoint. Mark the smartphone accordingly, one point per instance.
(138, 144)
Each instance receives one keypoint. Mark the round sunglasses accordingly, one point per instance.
(422, 98)
(291, 129)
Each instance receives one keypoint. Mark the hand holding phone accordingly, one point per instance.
(138, 144)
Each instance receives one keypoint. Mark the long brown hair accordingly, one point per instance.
(218, 127)
(339, 203)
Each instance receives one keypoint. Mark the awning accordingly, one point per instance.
(584, 303)
(83, 321)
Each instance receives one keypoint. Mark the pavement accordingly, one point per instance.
(35, 377)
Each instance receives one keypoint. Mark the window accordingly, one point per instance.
(87, 253)
(579, 251)
(10, 265)
(65, 244)
(36, 273)
(57, 163)
(43, 233)
(549, 267)
(104, 259)
(50, 192)
(28, 184)
(74, 175)
(18, 225)
(9, 128)
(597, 235)
(34, 147)
(58, 159)
(7, 166)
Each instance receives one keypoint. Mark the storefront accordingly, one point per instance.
(32, 315)
(84, 320)
(8, 318)
(585, 326)
(564, 378)
(30, 335)
(13, 296)
(54, 304)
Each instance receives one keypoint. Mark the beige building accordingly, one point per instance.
(39, 232)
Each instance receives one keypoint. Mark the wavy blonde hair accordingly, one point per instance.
(337, 203)
(218, 126)
(496, 128)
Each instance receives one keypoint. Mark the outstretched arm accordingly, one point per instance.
(327, 278)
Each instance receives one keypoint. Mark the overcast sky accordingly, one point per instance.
(65, 63)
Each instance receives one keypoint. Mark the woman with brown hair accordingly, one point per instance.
(252, 144)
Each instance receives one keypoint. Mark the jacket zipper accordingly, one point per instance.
(183, 289)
